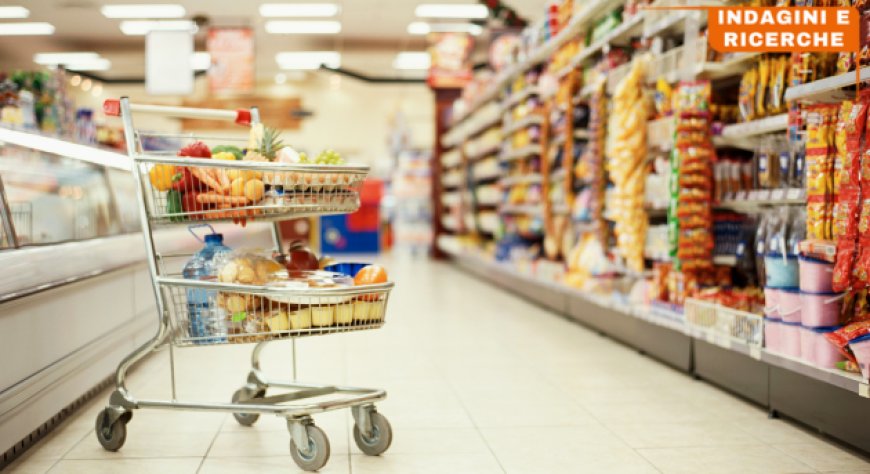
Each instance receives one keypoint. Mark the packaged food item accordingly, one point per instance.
(746, 98)
(762, 86)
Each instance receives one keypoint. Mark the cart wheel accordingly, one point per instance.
(112, 436)
(382, 435)
(318, 450)
(242, 395)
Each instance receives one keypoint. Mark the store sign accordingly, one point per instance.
(770, 29)
(168, 70)
(450, 65)
(232, 60)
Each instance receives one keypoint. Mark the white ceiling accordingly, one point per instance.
(373, 31)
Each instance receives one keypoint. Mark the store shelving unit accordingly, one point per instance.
(740, 366)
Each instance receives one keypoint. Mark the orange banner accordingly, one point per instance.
(778, 29)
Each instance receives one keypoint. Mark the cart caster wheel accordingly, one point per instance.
(243, 395)
(112, 436)
(318, 450)
(382, 436)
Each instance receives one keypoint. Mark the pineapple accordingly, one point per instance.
(264, 144)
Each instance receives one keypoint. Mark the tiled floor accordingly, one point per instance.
(479, 382)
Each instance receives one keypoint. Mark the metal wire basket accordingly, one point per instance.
(724, 321)
(207, 312)
(181, 189)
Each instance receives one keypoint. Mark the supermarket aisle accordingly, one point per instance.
(479, 382)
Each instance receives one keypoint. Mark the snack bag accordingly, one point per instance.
(761, 87)
(746, 97)
(842, 276)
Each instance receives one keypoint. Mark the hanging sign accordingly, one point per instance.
(232, 60)
(450, 65)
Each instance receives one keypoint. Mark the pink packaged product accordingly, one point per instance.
(790, 335)
(773, 335)
(861, 348)
(771, 302)
(816, 276)
(820, 309)
(790, 305)
(816, 349)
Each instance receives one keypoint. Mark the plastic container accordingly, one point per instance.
(820, 309)
(771, 302)
(346, 268)
(204, 320)
(790, 305)
(861, 348)
(816, 276)
(816, 349)
(773, 335)
(782, 272)
(790, 335)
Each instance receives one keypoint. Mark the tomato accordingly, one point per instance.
(370, 275)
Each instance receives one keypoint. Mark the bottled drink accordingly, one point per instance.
(206, 321)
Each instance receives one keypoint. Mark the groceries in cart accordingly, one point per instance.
(224, 188)
(278, 293)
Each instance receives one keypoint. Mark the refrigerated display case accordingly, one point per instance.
(69, 237)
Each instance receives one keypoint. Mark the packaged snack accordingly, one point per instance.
(761, 87)
(843, 266)
(746, 98)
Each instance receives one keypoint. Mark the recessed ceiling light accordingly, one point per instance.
(97, 90)
(411, 60)
(142, 27)
(308, 59)
(14, 12)
(154, 10)
(303, 27)
(86, 85)
(423, 28)
(200, 61)
(298, 9)
(75, 80)
(435, 10)
(26, 29)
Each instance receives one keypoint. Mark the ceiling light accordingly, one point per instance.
(200, 61)
(75, 80)
(98, 64)
(53, 59)
(298, 9)
(411, 60)
(142, 27)
(86, 85)
(14, 12)
(97, 90)
(303, 27)
(423, 28)
(26, 29)
(83, 61)
(280, 78)
(308, 59)
(434, 10)
(143, 11)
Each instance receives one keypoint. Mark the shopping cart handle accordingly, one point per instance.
(112, 107)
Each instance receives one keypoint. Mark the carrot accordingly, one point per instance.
(222, 178)
(220, 199)
(206, 177)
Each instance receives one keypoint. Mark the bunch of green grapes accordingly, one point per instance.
(329, 157)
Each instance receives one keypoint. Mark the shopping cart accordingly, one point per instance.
(247, 308)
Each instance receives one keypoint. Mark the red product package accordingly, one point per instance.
(842, 336)
(861, 269)
(843, 266)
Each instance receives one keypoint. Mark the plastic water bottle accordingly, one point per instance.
(206, 320)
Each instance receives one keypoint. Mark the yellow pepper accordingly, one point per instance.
(224, 155)
(161, 176)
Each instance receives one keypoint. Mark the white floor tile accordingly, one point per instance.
(746, 459)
